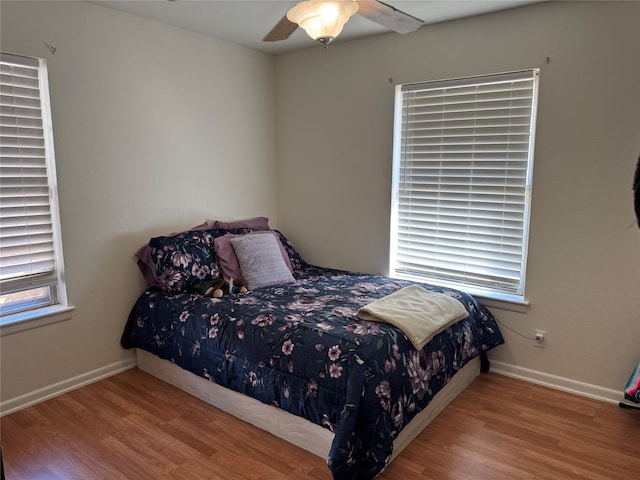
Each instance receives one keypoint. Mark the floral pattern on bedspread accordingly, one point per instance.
(302, 348)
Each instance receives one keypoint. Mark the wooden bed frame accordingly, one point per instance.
(291, 428)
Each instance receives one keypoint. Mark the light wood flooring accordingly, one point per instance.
(133, 426)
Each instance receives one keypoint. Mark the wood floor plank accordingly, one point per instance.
(134, 426)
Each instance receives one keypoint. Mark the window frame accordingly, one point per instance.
(57, 308)
(491, 297)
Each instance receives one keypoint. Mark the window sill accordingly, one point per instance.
(503, 301)
(19, 322)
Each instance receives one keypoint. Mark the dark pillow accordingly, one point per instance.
(147, 265)
(184, 260)
(294, 257)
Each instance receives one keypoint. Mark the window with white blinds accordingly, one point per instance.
(30, 250)
(462, 171)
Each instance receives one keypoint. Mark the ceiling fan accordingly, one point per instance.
(323, 20)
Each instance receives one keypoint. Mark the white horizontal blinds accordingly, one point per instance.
(463, 175)
(26, 233)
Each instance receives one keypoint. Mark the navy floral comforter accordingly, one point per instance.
(302, 348)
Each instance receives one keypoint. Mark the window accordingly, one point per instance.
(31, 267)
(462, 171)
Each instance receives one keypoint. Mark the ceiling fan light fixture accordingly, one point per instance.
(322, 20)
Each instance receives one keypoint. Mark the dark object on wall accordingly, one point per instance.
(636, 191)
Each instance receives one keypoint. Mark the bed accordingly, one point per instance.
(295, 359)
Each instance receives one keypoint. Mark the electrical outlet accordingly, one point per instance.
(541, 338)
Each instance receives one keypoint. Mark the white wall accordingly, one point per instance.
(155, 130)
(334, 169)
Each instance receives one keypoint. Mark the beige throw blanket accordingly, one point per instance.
(419, 313)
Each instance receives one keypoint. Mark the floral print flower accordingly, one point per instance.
(367, 287)
(383, 390)
(207, 238)
(339, 278)
(326, 326)
(397, 414)
(245, 300)
(421, 366)
(334, 353)
(183, 316)
(263, 320)
(437, 362)
(287, 347)
(181, 259)
(305, 305)
(395, 349)
(335, 370)
(199, 271)
(345, 311)
(312, 387)
(419, 371)
(468, 347)
(170, 279)
(329, 298)
(307, 290)
(327, 423)
(452, 294)
(389, 365)
(293, 318)
(364, 328)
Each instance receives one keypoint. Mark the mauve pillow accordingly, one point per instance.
(228, 260)
(146, 265)
(257, 223)
(261, 260)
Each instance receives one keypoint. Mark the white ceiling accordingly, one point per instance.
(246, 22)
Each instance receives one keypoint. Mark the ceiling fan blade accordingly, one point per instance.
(281, 31)
(388, 16)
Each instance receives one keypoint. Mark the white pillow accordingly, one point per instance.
(261, 261)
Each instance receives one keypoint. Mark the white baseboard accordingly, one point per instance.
(559, 383)
(50, 391)
(553, 381)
